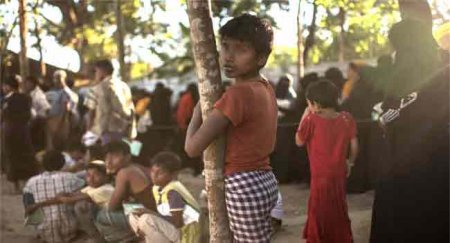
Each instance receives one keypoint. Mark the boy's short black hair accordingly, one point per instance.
(118, 147)
(168, 161)
(105, 65)
(251, 29)
(324, 93)
(53, 160)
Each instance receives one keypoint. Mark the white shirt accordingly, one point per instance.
(39, 105)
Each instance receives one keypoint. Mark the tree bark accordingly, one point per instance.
(3, 47)
(341, 35)
(209, 83)
(120, 42)
(311, 36)
(23, 39)
(300, 61)
(37, 33)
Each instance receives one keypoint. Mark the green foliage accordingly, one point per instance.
(89, 27)
(365, 29)
(184, 62)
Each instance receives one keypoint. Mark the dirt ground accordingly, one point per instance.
(295, 197)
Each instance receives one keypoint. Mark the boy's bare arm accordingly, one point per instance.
(75, 197)
(31, 208)
(121, 190)
(199, 135)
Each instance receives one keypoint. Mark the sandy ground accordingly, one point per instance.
(295, 197)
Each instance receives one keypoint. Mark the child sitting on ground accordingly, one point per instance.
(98, 191)
(174, 203)
(59, 223)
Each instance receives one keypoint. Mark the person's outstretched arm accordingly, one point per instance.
(31, 206)
(74, 197)
(199, 135)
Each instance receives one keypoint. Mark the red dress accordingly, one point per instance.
(327, 142)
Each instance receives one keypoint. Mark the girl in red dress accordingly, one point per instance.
(328, 134)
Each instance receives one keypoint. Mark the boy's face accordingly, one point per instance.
(239, 59)
(160, 177)
(115, 161)
(95, 178)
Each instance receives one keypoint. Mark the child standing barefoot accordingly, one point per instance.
(327, 134)
(247, 111)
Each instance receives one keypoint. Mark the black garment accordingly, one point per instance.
(17, 152)
(412, 198)
(363, 96)
(38, 133)
(160, 109)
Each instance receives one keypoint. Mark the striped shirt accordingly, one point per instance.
(59, 223)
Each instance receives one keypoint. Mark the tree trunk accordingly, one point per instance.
(341, 35)
(23, 39)
(37, 33)
(120, 43)
(3, 48)
(209, 82)
(416, 9)
(300, 61)
(311, 36)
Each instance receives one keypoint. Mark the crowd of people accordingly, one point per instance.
(106, 163)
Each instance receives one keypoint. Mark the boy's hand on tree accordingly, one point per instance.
(197, 112)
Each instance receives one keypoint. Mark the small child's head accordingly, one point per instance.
(165, 166)
(53, 161)
(96, 175)
(322, 95)
(246, 43)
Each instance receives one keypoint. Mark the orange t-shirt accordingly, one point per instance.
(185, 110)
(251, 107)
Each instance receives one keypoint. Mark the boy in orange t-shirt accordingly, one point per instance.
(247, 111)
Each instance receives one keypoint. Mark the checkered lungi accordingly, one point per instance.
(250, 196)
